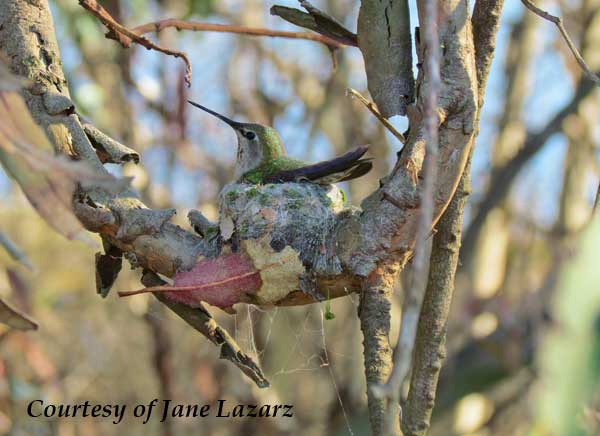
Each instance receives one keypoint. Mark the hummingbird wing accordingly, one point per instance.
(345, 167)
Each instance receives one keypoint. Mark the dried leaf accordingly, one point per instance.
(108, 267)
(222, 282)
(329, 26)
(258, 274)
(15, 318)
(317, 21)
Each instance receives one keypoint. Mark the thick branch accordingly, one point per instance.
(415, 293)
(374, 314)
(385, 231)
(431, 334)
(384, 38)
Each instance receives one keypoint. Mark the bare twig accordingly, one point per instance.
(126, 36)
(162, 357)
(558, 22)
(597, 199)
(502, 177)
(240, 30)
(373, 109)
(415, 293)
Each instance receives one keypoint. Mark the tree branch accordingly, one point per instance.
(503, 177)
(144, 235)
(392, 226)
(240, 30)
(373, 109)
(125, 36)
(431, 334)
(413, 298)
(559, 24)
(15, 252)
(200, 319)
(385, 41)
(317, 21)
(375, 318)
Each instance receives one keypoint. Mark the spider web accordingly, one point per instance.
(307, 340)
(308, 343)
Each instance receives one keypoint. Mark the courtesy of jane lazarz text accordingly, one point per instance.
(158, 409)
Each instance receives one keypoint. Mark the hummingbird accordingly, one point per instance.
(261, 158)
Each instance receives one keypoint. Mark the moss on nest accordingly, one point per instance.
(300, 215)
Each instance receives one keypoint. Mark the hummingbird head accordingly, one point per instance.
(256, 143)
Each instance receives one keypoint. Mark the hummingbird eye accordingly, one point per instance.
(250, 135)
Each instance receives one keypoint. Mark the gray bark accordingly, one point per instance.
(431, 336)
(384, 38)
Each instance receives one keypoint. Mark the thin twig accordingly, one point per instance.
(158, 26)
(504, 176)
(332, 375)
(597, 200)
(558, 22)
(414, 294)
(161, 357)
(15, 252)
(126, 36)
(373, 109)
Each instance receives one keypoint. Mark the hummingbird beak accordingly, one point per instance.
(233, 124)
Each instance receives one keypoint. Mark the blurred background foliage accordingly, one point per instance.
(523, 338)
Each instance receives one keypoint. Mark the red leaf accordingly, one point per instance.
(222, 282)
